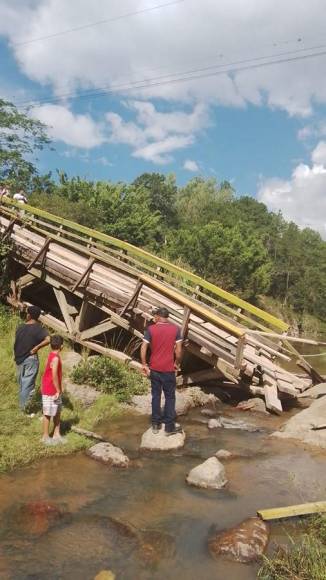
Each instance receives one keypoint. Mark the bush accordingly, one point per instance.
(110, 376)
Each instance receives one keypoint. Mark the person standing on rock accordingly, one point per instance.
(165, 342)
(30, 338)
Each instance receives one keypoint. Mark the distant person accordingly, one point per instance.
(4, 192)
(52, 391)
(20, 197)
(30, 338)
(165, 341)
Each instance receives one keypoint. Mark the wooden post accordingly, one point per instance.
(239, 352)
(65, 310)
(185, 322)
(40, 254)
(84, 276)
(133, 300)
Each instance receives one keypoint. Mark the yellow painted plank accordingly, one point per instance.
(147, 257)
(293, 511)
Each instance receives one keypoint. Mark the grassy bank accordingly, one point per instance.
(303, 559)
(20, 435)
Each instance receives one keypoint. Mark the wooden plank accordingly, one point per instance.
(185, 322)
(133, 300)
(98, 329)
(62, 301)
(40, 254)
(84, 276)
(198, 377)
(272, 401)
(239, 352)
(285, 387)
(291, 511)
(228, 370)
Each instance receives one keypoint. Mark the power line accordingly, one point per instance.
(184, 76)
(91, 24)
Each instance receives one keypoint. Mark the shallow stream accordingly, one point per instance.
(145, 522)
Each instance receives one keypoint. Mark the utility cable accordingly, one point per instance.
(105, 21)
(180, 77)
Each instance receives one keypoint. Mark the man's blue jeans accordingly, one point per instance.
(26, 375)
(167, 383)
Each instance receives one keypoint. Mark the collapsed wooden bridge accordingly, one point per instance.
(89, 285)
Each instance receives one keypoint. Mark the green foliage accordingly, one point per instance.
(233, 258)
(20, 137)
(111, 377)
(302, 560)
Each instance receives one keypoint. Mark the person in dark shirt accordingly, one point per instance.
(30, 337)
(165, 341)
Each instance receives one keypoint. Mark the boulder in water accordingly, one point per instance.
(155, 545)
(227, 423)
(109, 454)
(243, 543)
(208, 475)
(36, 517)
(160, 441)
(255, 404)
(304, 425)
(223, 454)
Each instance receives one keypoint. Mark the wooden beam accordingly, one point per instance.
(84, 276)
(8, 230)
(273, 403)
(318, 507)
(64, 307)
(185, 322)
(133, 300)
(25, 280)
(40, 254)
(239, 352)
(101, 328)
(198, 377)
(228, 370)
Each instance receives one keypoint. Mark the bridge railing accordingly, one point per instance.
(139, 260)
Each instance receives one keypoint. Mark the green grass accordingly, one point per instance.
(303, 559)
(20, 435)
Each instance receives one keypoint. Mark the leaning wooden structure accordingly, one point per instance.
(89, 284)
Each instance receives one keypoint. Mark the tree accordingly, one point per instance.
(20, 137)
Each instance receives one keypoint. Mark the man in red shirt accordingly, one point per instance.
(165, 341)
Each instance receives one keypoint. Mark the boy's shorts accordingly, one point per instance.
(51, 405)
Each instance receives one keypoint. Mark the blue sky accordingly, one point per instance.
(263, 129)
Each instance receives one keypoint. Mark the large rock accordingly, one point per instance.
(224, 454)
(160, 441)
(301, 426)
(36, 517)
(209, 475)
(255, 404)
(243, 543)
(70, 360)
(231, 424)
(314, 392)
(83, 393)
(186, 399)
(108, 453)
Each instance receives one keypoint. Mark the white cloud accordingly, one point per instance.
(302, 199)
(187, 36)
(76, 130)
(190, 165)
(159, 151)
(154, 135)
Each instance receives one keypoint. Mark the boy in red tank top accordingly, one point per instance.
(51, 392)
